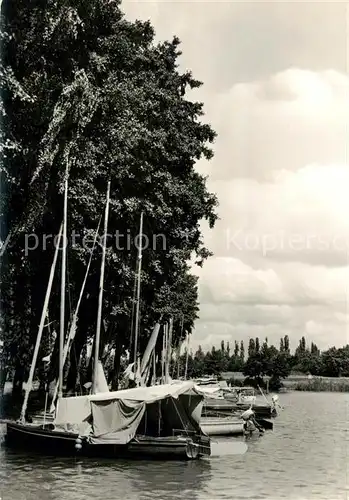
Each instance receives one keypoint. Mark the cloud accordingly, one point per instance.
(290, 120)
(238, 302)
(276, 91)
(225, 42)
(228, 280)
(302, 216)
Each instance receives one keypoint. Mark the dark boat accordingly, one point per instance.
(51, 442)
(159, 422)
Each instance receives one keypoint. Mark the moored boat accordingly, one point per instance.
(242, 395)
(222, 426)
(157, 421)
(212, 407)
(146, 422)
(38, 438)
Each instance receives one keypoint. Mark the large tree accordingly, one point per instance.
(84, 87)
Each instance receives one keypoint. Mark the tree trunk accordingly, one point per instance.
(53, 370)
(74, 357)
(116, 368)
(18, 380)
(3, 377)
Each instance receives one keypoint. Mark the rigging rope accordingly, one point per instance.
(73, 324)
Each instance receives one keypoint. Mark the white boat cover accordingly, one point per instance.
(209, 391)
(147, 394)
(101, 386)
(115, 417)
(150, 348)
(206, 380)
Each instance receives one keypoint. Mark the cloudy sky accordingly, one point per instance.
(276, 91)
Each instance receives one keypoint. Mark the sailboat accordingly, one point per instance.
(155, 422)
(139, 370)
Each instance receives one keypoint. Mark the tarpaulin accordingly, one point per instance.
(115, 421)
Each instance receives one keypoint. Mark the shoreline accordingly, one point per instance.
(316, 384)
(299, 382)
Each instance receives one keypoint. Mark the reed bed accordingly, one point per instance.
(301, 382)
(321, 385)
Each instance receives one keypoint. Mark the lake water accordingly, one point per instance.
(305, 457)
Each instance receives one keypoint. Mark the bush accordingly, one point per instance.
(275, 384)
(235, 382)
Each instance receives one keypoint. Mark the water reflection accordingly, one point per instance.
(165, 480)
(53, 479)
(304, 457)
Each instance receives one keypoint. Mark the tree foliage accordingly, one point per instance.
(85, 88)
(268, 361)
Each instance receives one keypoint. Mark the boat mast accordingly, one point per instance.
(169, 349)
(41, 327)
(178, 355)
(178, 361)
(64, 260)
(163, 354)
(138, 292)
(100, 298)
(133, 315)
(154, 368)
(73, 325)
(187, 358)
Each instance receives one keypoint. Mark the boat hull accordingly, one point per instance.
(240, 400)
(214, 406)
(35, 438)
(222, 426)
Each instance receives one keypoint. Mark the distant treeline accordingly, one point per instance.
(261, 359)
(87, 92)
